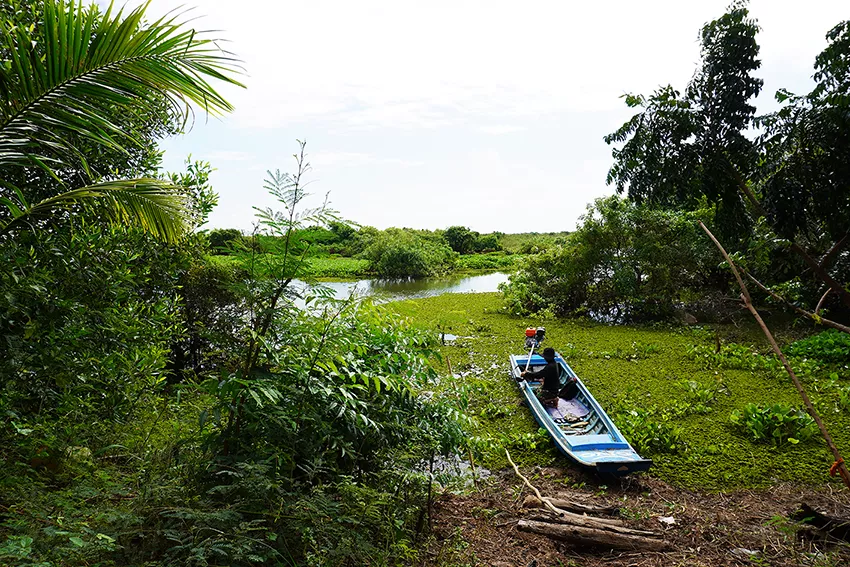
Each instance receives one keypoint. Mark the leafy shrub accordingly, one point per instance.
(486, 261)
(648, 430)
(699, 396)
(460, 239)
(844, 397)
(777, 423)
(625, 262)
(87, 317)
(338, 267)
(732, 356)
(397, 253)
(639, 351)
(830, 346)
(487, 243)
(224, 240)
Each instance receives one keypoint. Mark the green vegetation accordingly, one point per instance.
(164, 402)
(491, 261)
(338, 267)
(831, 346)
(684, 427)
(778, 183)
(624, 263)
(532, 242)
(61, 104)
(342, 251)
(159, 405)
(776, 423)
(396, 253)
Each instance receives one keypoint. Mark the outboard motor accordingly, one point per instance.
(533, 337)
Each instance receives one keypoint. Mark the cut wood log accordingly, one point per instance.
(585, 535)
(558, 523)
(571, 506)
(591, 522)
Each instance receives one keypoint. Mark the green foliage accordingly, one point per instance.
(224, 240)
(493, 261)
(625, 262)
(120, 60)
(732, 356)
(396, 253)
(57, 97)
(699, 396)
(465, 241)
(776, 423)
(830, 346)
(685, 149)
(531, 242)
(487, 243)
(460, 239)
(85, 326)
(844, 397)
(682, 148)
(648, 429)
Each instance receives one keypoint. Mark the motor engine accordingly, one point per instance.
(533, 337)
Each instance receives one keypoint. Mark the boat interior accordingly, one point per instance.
(573, 417)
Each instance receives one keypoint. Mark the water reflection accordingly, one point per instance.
(397, 290)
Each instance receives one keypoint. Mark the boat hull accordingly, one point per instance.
(594, 442)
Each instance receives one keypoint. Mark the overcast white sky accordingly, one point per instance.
(432, 113)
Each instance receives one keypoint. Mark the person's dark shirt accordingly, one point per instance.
(550, 374)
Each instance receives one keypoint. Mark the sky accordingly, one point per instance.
(427, 114)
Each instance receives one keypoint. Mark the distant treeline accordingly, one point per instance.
(341, 249)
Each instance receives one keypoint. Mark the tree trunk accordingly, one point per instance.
(584, 535)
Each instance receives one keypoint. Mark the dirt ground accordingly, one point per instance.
(708, 529)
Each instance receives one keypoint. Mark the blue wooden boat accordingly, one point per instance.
(580, 427)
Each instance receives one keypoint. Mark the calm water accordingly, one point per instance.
(396, 290)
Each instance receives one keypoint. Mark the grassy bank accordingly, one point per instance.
(644, 375)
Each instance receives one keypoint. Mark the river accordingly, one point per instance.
(397, 290)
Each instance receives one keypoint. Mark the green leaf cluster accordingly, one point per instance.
(776, 423)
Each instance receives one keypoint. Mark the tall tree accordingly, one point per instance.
(682, 148)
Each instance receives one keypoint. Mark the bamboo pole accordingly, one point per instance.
(745, 296)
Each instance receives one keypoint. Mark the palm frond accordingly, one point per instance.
(73, 74)
(157, 206)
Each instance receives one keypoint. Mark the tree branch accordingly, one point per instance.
(830, 255)
(813, 316)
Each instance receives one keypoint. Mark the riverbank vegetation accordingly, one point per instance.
(348, 251)
(157, 406)
(163, 401)
(779, 200)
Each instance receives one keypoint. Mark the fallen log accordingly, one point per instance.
(560, 524)
(571, 506)
(590, 522)
(584, 535)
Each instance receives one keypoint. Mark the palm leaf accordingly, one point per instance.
(80, 68)
(156, 206)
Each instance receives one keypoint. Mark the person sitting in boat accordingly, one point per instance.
(550, 374)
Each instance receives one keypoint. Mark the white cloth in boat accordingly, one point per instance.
(569, 410)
